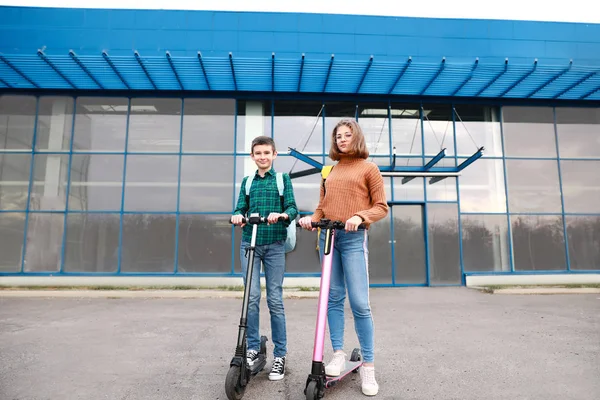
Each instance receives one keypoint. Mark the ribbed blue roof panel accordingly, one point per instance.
(173, 73)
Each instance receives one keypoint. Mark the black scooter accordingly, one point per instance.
(240, 372)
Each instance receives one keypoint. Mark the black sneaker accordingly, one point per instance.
(277, 369)
(251, 357)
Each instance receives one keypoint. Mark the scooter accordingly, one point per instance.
(317, 380)
(240, 373)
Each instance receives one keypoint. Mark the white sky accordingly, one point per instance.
(550, 10)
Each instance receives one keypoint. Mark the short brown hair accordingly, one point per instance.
(358, 146)
(259, 140)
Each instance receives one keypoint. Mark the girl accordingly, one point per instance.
(353, 193)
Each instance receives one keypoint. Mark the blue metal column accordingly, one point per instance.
(506, 192)
(177, 214)
(460, 233)
(562, 197)
(235, 118)
(125, 155)
(425, 205)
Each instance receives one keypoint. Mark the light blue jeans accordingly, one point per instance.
(273, 258)
(350, 269)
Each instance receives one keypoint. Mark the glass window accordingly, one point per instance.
(204, 243)
(12, 229)
(55, 122)
(92, 243)
(584, 241)
(578, 132)
(154, 125)
(409, 245)
(49, 182)
(100, 124)
(477, 126)
(444, 255)
(334, 112)
(303, 259)
(298, 125)
(148, 243)
(409, 191)
(438, 129)
(14, 181)
(485, 243)
(208, 125)
(406, 129)
(254, 119)
(17, 122)
(529, 131)
(151, 183)
(96, 182)
(374, 121)
(581, 186)
(44, 242)
(533, 186)
(444, 190)
(380, 251)
(538, 242)
(206, 183)
(482, 187)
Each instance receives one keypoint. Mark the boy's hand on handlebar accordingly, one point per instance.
(238, 220)
(274, 217)
(306, 223)
(353, 223)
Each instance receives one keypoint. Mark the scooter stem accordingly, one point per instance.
(249, 272)
(323, 296)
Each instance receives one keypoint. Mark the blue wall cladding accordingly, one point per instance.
(24, 30)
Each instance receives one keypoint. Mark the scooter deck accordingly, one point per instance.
(259, 365)
(350, 367)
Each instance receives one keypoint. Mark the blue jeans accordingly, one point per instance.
(350, 268)
(273, 259)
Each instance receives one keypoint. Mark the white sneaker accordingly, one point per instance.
(337, 364)
(369, 384)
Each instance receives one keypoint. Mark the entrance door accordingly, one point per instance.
(409, 261)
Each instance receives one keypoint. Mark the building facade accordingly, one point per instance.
(124, 137)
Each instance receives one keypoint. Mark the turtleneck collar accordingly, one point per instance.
(349, 159)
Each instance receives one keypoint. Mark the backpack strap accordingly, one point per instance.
(280, 187)
(249, 180)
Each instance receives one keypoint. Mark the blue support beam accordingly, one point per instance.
(306, 172)
(490, 83)
(579, 82)
(589, 93)
(85, 69)
(435, 160)
(273, 72)
(400, 75)
(114, 68)
(204, 71)
(139, 60)
(439, 71)
(300, 75)
(232, 71)
(306, 159)
(527, 74)
(328, 73)
(174, 70)
(364, 74)
(470, 160)
(549, 81)
(51, 64)
(468, 78)
(18, 71)
(5, 83)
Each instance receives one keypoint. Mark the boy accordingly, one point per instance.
(264, 199)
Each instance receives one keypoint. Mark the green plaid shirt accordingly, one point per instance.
(264, 199)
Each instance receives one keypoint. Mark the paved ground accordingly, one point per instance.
(431, 343)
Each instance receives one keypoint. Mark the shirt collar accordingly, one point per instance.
(269, 172)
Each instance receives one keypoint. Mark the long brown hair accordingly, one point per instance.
(358, 146)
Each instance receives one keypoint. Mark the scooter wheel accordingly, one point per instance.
(263, 345)
(355, 357)
(233, 389)
(312, 392)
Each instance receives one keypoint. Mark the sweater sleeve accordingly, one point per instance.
(379, 207)
(318, 214)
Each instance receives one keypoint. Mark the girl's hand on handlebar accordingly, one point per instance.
(353, 223)
(306, 223)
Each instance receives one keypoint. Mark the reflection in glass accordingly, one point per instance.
(92, 243)
(154, 125)
(373, 119)
(438, 129)
(44, 242)
(444, 255)
(303, 259)
(334, 112)
(482, 187)
(204, 243)
(17, 121)
(444, 190)
(151, 183)
(50, 173)
(55, 122)
(581, 186)
(100, 124)
(380, 252)
(410, 191)
(528, 131)
(538, 242)
(14, 181)
(206, 183)
(477, 126)
(584, 241)
(208, 125)
(96, 182)
(409, 245)
(254, 119)
(148, 243)
(578, 132)
(12, 229)
(406, 129)
(299, 125)
(485, 242)
(533, 186)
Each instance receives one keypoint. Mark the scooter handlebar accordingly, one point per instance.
(257, 220)
(326, 223)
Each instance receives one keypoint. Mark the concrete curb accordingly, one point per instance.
(539, 291)
(148, 294)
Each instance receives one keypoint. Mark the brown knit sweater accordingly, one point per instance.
(354, 187)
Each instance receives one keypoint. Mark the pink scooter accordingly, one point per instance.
(317, 380)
